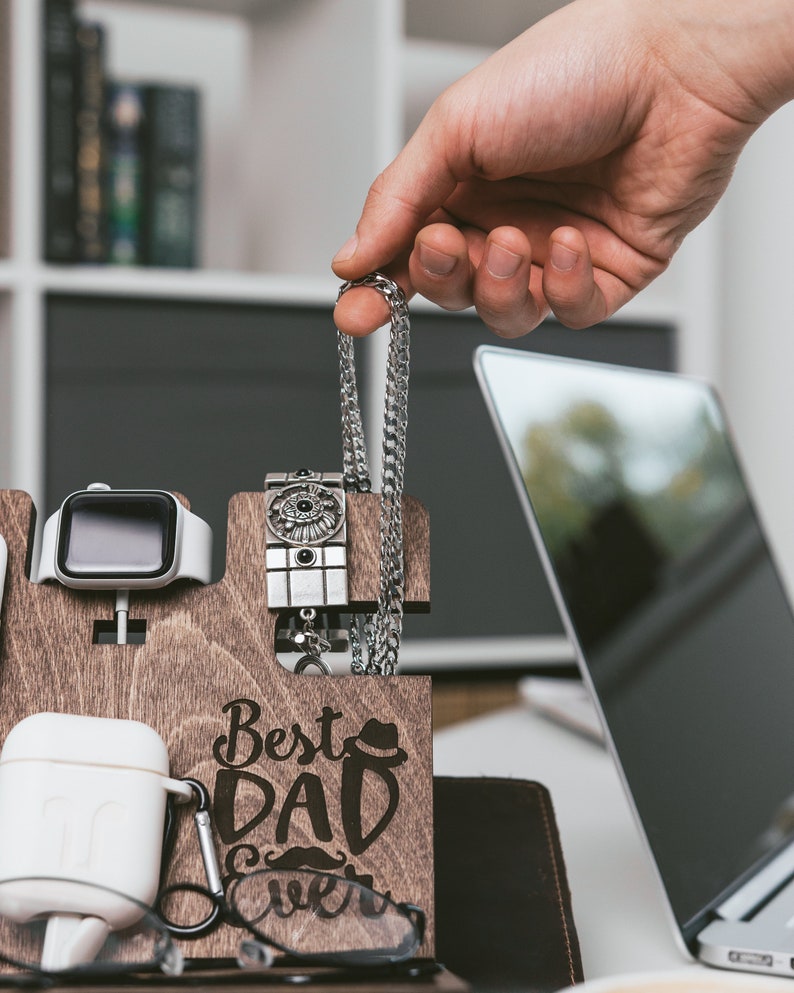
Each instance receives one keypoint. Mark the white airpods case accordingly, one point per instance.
(82, 798)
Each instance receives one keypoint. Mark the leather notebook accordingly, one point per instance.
(503, 908)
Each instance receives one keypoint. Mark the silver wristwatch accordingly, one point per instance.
(306, 539)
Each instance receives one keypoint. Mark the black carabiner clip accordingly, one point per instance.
(213, 891)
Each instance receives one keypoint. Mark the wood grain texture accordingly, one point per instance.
(340, 765)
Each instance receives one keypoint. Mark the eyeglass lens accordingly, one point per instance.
(52, 925)
(314, 914)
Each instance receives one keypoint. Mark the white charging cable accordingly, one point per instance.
(122, 615)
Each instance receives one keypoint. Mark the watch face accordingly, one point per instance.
(305, 513)
(117, 534)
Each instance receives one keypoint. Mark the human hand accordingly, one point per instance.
(563, 173)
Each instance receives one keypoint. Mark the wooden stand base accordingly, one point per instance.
(333, 773)
(441, 982)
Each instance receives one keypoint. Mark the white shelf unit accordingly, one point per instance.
(288, 160)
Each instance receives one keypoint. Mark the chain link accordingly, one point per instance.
(382, 630)
(355, 466)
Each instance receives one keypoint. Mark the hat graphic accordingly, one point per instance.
(379, 741)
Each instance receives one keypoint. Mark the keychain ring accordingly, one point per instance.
(189, 931)
(214, 889)
(308, 660)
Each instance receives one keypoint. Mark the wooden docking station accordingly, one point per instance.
(299, 768)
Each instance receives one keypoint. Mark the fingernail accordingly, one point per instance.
(348, 250)
(502, 263)
(563, 259)
(434, 262)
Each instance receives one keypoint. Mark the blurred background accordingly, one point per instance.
(167, 220)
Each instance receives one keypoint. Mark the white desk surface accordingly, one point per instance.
(619, 909)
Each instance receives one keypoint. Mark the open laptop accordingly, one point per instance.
(682, 627)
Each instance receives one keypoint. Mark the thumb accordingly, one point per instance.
(397, 206)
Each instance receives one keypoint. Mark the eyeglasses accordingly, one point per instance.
(54, 928)
(309, 916)
(325, 918)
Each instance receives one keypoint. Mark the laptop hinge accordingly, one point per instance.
(760, 888)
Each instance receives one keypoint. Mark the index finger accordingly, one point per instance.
(362, 310)
(398, 204)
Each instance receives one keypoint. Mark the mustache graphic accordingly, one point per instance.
(298, 858)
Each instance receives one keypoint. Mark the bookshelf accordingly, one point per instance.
(304, 103)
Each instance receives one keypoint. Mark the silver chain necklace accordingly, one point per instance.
(382, 630)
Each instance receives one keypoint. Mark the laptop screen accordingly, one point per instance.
(665, 581)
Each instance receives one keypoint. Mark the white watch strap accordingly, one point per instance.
(196, 548)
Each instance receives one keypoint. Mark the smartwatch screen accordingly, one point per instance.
(117, 534)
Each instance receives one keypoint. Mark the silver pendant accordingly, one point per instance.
(306, 534)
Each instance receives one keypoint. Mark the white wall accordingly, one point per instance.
(757, 318)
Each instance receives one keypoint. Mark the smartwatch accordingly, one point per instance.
(103, 538)
(306, 539)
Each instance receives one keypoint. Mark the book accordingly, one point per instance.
(171, 156)
(89, 147)
(121, 159)
(123, 138)
(60, 47)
